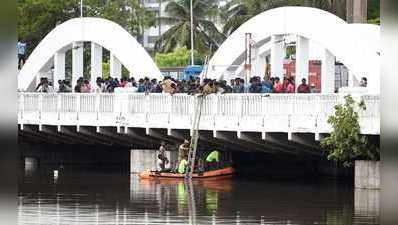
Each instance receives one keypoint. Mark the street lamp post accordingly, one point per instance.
(81, 8)
(248, 59)
(192, 59)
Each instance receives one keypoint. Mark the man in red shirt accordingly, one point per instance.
(303, 87)
(278, 87)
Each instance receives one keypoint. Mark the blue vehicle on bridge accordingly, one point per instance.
(191, 71)
(182, 73)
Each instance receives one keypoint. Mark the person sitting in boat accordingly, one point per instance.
(212, 160)
(182, 166)
(162, 162)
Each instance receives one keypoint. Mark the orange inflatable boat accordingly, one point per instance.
(213, 174)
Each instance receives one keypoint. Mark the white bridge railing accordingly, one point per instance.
(229, 112)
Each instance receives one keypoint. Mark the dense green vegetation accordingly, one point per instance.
(345, 143)
(36, 18)
(206, 35)
(178, 58)
(374, 11)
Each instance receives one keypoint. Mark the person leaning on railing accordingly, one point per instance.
(64, 86)
(303, 87)
(44, 86)
(172, 86)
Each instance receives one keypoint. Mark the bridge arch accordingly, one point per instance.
(104, 33)
(356, 45)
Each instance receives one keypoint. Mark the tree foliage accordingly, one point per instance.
(206, 35)
(36, 18)
(346, 143)
(178, 58)
(374, 12)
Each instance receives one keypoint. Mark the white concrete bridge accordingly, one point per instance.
(292, 123)
(278, 122)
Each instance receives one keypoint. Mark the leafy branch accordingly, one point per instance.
(346, 143)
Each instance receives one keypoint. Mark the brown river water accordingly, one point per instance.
(89, 197)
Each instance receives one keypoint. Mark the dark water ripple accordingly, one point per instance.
(93, 198)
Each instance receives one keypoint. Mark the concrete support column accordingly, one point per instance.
(259, 64)
(59, 68)
(328, 73)
(254, 60)
(31, 164)
(351, 79)
(278, 54)
(115, 67)
(77, 62)
(367, 174)
(96, 62)
(141, 160)
(302, 59)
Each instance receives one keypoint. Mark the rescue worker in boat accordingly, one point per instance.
(212, 160)
(183, 150)
(162, 159)
(182, 167)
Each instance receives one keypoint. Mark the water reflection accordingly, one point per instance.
(90, 198)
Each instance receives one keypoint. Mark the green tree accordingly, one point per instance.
(374, 11)
(178, 58)
(346, 143)
(36, 18)
(127, 13)
(206, 34)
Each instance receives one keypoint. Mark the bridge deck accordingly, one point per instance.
(255, 118)
(301, 113)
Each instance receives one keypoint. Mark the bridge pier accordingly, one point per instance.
(328, 73)
(77, 62)
(59, 68)
(302, 60)
(70, 156)
(96, 62)
(30, 164)
(115, 67)
(278, 53)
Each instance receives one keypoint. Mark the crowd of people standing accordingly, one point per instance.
(172, 86)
